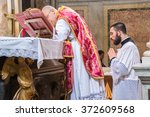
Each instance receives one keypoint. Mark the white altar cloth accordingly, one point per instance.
(31, 47)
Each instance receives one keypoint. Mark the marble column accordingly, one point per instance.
(4, 31)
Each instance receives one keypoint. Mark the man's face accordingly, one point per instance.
(115, 36)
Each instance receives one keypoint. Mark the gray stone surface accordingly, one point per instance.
(143, 71)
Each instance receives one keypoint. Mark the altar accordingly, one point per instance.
(30, 47)
(48, 73)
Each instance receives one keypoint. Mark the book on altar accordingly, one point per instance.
(35, 23)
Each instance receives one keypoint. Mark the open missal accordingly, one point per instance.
(35, 23)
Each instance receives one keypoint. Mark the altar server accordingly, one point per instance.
(126, 84)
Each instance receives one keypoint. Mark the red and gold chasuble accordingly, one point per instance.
(88, 46)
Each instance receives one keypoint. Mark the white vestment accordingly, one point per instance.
(126, 85)
(84, 86)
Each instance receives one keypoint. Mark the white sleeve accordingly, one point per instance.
(62, 30)
(122, 66)
(118, 69)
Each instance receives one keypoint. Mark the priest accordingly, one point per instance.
(85, 78)
(126, 84)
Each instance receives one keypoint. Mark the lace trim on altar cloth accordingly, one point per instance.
(19, 53)
(96, 96)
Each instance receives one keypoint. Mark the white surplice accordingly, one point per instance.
(84, 86)
(126, 85)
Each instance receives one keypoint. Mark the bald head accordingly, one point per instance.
(50, 13)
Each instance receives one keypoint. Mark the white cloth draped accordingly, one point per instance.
(30, 47)
(49, 49)
(84, 86)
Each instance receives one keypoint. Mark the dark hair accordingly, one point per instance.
(119, 26)
(100, 52)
